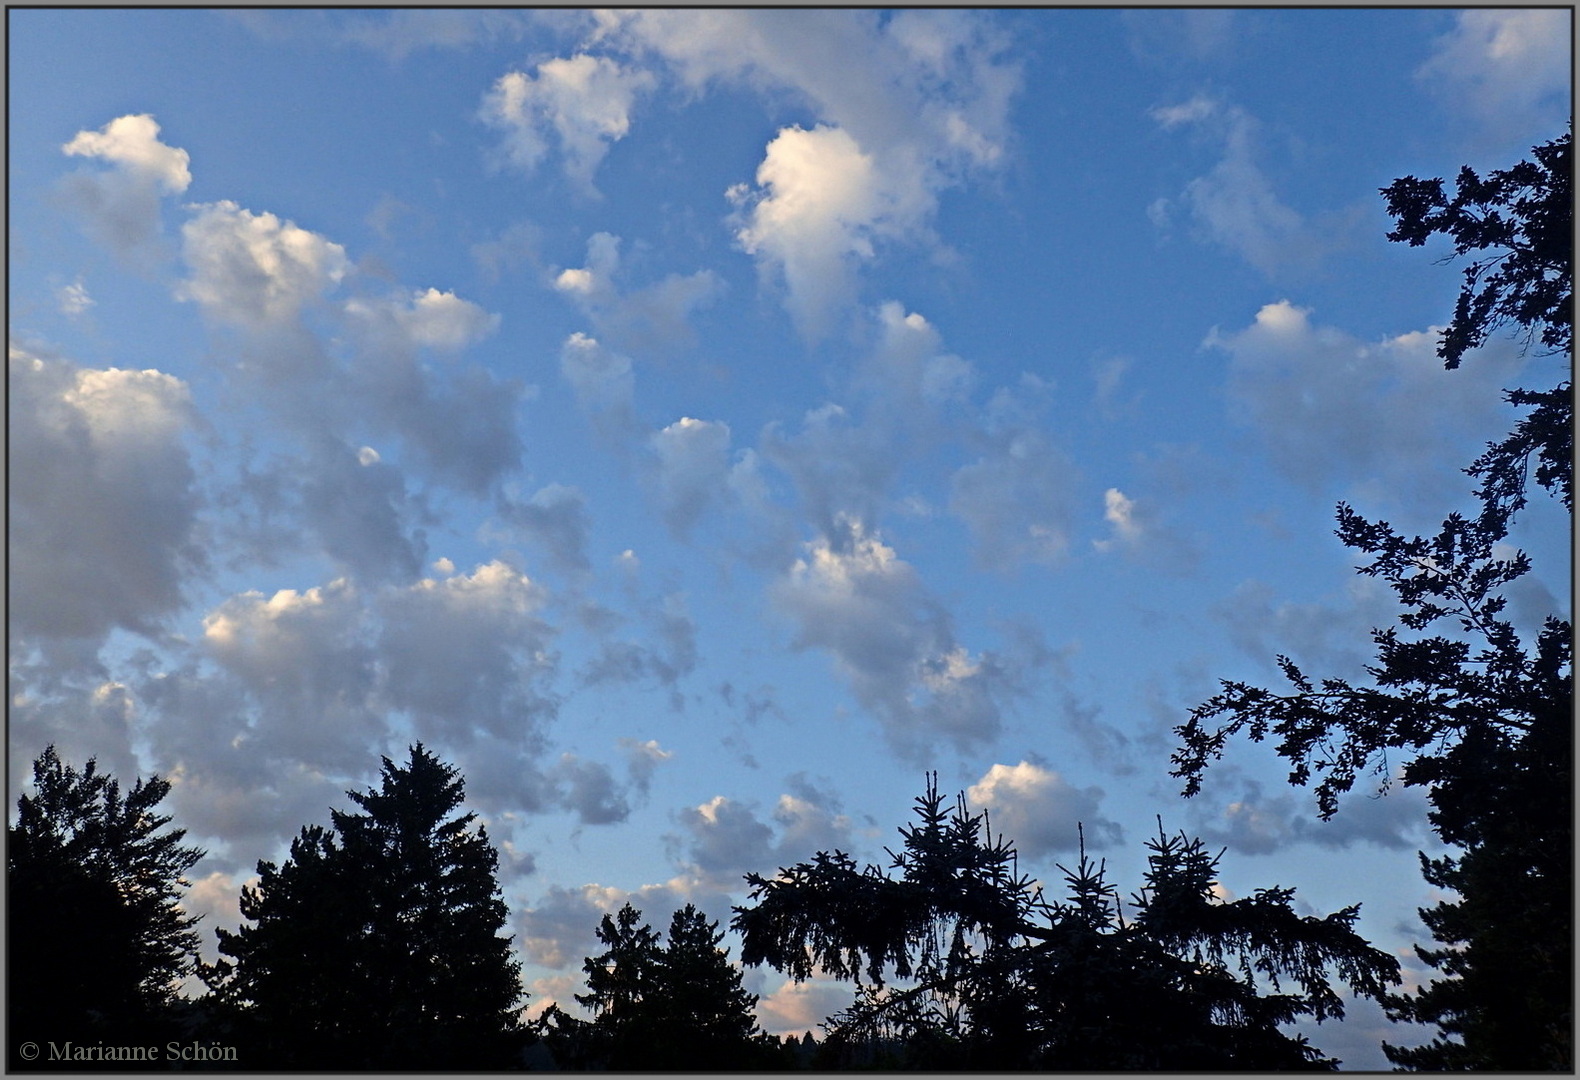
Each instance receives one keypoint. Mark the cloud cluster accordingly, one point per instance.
(1038, 810)
(852, 596)
(103, 498)
(652, 318)
(121, 206)
(1235, 204)
(1238, 813)
(904, 105)
(1382, 418)
(1507, 69)
(585, 101)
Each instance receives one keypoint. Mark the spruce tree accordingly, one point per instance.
(674, 1006)
(960, 962)
(377, 943)
(97, 940)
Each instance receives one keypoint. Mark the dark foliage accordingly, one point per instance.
(96, 938)
(1518, 225)
(376, 945)
(675, 1006)
(1478, 716)
(962, 964)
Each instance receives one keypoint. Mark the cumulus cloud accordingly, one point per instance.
(725, 838)
(586, 101)
(693, 469)
(821, 205)
(427, 319)
(589, 790)
(906, 105)
(655, 317)
(851, 596)
(642, 759)
(254, 270)
(796, 1008)
(103, 501)
(122, 205)
(1508, 69)
(603, 383)
(1240, 814)
(304, 660)
(1382, 417)
(1038, 810)
(467, 654)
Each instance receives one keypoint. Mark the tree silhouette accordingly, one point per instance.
(674, 1006)
(1519, 224)
(960, 962)
(376, 944)
(1480, 717)
(97, 941)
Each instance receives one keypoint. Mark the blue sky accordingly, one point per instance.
(698, 425)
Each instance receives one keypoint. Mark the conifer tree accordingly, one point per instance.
(1477, 715)
(674, 1006)
(377, 944)
(960, 962)
(97, 940)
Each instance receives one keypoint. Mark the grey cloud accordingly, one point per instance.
(726, 839)
(361, 514)
(103, 500)
(693, 469)
(1238, 813)
(1038, 809)
(1378, 419)
(653, 318)
(1331, 637)
(122, 206)
(1016, 500)
(555, 519)
(468, 653)
(851, 596)
(590, 790)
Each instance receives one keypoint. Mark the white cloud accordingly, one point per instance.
(1038, 810)
(1236, 205)
(906, 104)
(254, 270)
(796, 1008)
(821, 204)
(853, 597)
(73, 299)
(102, 499)
(1383, 417)
(428, 319)
(1508, 68)
(654, 317)
(122, 206)
(585, 100)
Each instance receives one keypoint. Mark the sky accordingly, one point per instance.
(698, 426)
